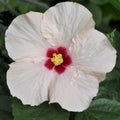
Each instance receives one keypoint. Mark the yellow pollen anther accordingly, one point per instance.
(57, 59)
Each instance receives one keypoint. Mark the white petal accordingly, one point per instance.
(24, 38)
(92, 51)
(74, 90)
(65, 20)
(29, 82)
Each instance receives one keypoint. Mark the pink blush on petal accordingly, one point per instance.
(59, 69)
(50, 52)
(49, 64)
(67, 60)
(62, 50)
(52, 58)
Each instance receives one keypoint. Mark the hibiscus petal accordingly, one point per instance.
(24, 38)
(92, 51)
(29, 82)
(74, 90)
(65, 20)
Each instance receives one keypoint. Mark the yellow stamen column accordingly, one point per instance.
(57, 59)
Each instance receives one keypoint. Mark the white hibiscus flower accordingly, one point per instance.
(59, 57)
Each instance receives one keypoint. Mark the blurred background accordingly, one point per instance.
(106, 14)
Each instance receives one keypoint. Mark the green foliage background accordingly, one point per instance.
(106, 106)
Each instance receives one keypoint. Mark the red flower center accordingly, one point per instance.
(57, 59)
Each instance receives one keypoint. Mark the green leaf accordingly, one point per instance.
(5, 107)
(1, 42)
(5, 103)
(5, 115)
(99, 2)
(22, 7)
(109, 13)
(44, 111)
(115, 3)
(96, 11)
(118, 51)
(101, 109)
(36, 3)
(2, 8)
(110, 88)
(8, 7)
(112, 38)
(25, 6)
